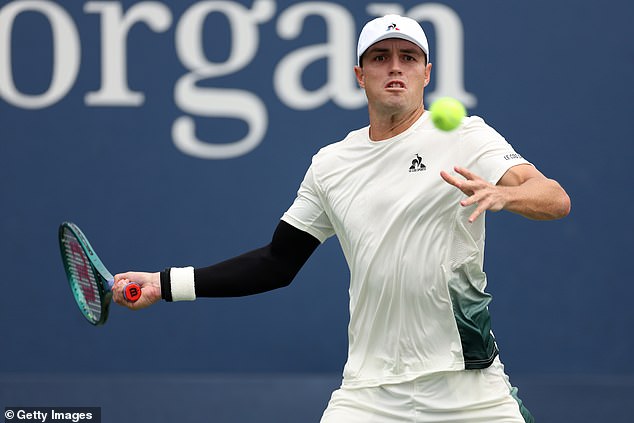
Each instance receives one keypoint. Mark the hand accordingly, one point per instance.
(480, 192)
(150, 289)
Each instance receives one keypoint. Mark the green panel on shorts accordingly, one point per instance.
(528, 417)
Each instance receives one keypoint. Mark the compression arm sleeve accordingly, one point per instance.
(264, 269)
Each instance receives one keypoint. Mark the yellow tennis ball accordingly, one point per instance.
(447, 113)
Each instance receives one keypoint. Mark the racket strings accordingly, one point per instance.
(83, 281)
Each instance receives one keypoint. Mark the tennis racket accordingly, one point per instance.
(89, 280)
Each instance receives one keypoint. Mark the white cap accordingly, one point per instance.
(391, 26)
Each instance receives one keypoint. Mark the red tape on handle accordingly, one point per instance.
(132, 292)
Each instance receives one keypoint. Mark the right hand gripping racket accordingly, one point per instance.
(89, 280)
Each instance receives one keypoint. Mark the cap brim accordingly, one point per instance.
(393, 34)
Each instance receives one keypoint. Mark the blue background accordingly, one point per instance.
(555, 79)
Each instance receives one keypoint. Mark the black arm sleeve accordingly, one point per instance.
(267, 268)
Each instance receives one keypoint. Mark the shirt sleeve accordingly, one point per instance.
(490, 154)
(307, 212)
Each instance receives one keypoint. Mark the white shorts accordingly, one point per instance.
(468, 396)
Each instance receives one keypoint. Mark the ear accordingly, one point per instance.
(427, 74)
(358, 71)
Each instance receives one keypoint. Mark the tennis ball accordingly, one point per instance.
(447, 113)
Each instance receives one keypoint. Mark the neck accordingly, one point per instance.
(386, 126)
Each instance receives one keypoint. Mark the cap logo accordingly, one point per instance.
(392, 27)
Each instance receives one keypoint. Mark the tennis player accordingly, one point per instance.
(406, 202)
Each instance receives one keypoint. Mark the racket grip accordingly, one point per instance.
(132, 292)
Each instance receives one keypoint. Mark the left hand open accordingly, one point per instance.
(480, 192)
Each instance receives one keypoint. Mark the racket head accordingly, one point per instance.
(88, 278)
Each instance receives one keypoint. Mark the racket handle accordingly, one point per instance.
(132, 292)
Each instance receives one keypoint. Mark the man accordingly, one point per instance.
(411, 230)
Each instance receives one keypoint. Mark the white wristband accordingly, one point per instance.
(182, 281)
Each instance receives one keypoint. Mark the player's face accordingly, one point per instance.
(394, 74)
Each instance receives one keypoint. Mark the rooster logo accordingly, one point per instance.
(417, 164)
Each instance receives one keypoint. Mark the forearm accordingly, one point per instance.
(537, 198)
(252, 273)
(272, 266)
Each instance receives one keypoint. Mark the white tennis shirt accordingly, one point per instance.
(417, 300)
